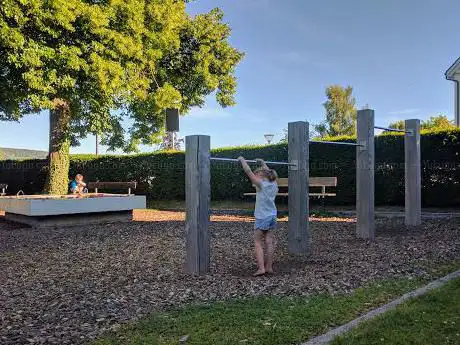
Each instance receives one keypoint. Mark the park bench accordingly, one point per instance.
(3, 188)
(112, 186)
(317, 182)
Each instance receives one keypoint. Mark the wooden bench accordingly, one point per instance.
(321, 182)
(3, 188)
(112, 186)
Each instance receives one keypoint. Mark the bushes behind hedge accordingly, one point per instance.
(161, 175)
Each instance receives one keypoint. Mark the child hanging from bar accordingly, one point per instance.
(264, 180)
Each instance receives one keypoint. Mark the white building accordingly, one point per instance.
(453, 73)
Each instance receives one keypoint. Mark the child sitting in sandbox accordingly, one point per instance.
(264, 179)
(77, 186)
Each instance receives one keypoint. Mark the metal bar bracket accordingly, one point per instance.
(294, 165)
(362, 145)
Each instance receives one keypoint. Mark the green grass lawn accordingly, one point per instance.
(267, 320)
(432, 319)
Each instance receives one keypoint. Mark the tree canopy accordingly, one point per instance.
(434, 122)
(341, 112)
(99, 66)
(111, 60)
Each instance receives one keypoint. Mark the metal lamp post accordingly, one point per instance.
(269, 138)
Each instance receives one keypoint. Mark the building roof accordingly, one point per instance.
(455, 68)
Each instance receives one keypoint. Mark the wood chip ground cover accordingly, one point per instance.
(68, 285)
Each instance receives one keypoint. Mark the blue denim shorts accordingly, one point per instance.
(265, 224)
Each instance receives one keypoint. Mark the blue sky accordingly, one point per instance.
(393, 52)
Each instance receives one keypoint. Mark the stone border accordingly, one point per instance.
(333, 333)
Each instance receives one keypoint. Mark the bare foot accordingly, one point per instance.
(259, 273)
(269, 271)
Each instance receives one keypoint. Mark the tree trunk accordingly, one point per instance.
(59, 145)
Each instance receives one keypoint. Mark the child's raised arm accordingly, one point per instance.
(254, 179)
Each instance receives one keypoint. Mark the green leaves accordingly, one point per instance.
(397, 125)
(340, 112)
(434, 123)
(161, 174)
(141, 56)
(167, 97)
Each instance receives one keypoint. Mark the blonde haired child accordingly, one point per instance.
(265, 181)
(77, 186)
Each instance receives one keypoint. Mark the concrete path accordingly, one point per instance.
(329, 336)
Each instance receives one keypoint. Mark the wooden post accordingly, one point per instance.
(197, 195)
(299, 240)
(365, 226)
(413, 205)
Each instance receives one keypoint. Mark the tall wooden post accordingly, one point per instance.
(413, 204)
(197, 195)
(365, 226)
(299, 238)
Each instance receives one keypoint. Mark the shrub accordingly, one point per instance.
(160, 175)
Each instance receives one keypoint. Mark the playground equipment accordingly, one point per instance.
(387, 129)
(249, 161)
(55, 210)
(197, 186)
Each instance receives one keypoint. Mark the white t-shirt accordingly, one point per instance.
(265, 200)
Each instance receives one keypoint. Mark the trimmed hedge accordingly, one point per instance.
(161, 175)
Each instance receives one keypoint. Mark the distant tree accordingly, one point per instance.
(171, 141)
(322, 129)
(94, 63)
(312, 134)
(434, 122)
(397, 125)
(438, 122)
(340, 112)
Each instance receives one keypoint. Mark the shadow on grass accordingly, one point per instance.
(259, 320)
(431, 319)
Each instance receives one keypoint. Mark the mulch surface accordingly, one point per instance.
(69, 285)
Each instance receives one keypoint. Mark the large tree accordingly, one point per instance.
(96, 63)
(340, 112)
(434, 123)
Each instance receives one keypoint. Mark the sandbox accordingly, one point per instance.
(53, 210)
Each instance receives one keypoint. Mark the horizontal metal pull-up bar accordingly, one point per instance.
(335, 143)
(392, 129)
(250, 161)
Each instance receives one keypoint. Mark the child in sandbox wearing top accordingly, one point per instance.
(264, 179)
(77, 186)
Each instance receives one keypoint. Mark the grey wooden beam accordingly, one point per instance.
(413, 199)
(365, 225)
(197, 196)
(299, 238)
